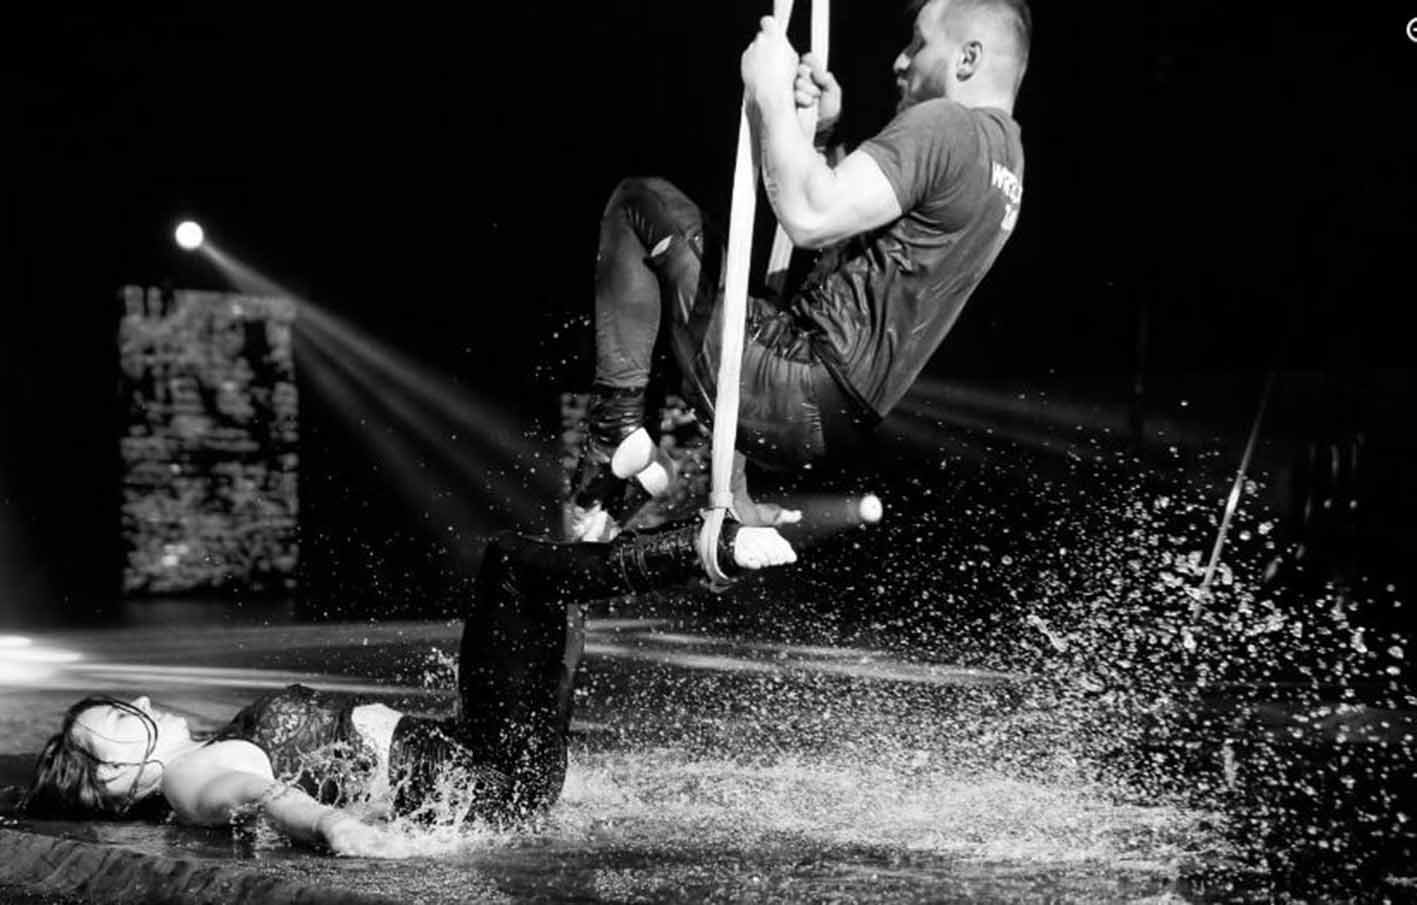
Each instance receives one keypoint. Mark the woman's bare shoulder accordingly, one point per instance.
(234, 754)
(205, 785)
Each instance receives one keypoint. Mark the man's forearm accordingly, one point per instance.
(797, 177)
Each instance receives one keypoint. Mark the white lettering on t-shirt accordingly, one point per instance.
(1006, 182)
(1012, 187)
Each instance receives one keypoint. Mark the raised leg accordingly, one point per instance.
(514, 675)
(650, 254)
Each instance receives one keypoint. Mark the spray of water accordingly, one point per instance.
(1152, 734)
(1246, 742)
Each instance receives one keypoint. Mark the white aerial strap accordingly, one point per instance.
(735, 304)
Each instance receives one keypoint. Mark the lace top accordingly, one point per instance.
(311, 741)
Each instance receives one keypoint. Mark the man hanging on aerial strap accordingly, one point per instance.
(906, 227)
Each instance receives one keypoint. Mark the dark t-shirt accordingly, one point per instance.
(885, 299)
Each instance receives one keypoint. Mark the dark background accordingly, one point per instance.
(1234, 181)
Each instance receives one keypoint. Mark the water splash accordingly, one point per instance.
(1261, 737)
(910, 802)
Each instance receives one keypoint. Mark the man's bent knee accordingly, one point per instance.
(640, 187)
(655, 204)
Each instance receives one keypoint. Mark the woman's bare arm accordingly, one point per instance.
(214, 790)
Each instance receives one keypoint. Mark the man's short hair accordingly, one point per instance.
(1015, 16)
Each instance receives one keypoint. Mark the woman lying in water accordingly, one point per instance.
(300, 757)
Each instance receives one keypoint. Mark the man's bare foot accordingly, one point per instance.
(758, 547)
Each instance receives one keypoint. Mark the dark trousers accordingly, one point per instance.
(514, 681)
(516, 673)
(657, 256)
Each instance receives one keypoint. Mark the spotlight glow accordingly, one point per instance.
(23, 662)
(189, 235)
(871, 509)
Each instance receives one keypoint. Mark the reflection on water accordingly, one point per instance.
(174, 612)
(658, 799)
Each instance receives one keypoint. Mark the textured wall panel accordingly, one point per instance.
(209, 445)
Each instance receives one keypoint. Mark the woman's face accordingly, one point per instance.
(125, 743)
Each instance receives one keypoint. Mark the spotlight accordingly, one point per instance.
(825, 514)
(870, 509)
(189, 235)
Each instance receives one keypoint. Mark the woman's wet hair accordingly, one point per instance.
(66, 781)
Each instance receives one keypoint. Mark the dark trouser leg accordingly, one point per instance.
(510, 670)
(513, 680)
(649, 254)
(655, 250)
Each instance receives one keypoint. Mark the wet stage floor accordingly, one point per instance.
(705, 768)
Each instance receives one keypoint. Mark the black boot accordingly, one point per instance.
(651, 560)
(614, 413)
